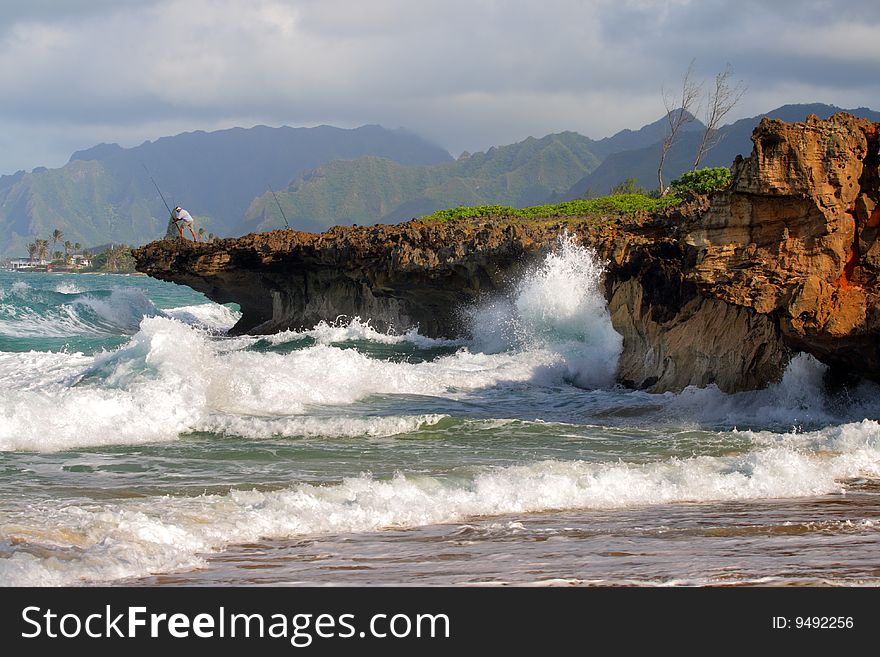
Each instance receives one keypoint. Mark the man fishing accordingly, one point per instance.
(182, 218)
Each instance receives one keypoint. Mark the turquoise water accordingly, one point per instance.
(139, 444)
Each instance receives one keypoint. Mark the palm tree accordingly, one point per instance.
(111, 258)
(67, 246)
(42, 249)
(57, 236)
(116, 256)
(77, 246)
(32, 250)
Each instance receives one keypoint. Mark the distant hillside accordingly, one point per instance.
(734, 139)
(105, 195)
(324, 176)
(371, 189)
(653, 133)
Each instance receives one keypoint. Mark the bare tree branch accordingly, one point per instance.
(679, 112)
(719, 103)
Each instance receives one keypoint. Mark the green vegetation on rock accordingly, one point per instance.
(613, 205)
(701, 181)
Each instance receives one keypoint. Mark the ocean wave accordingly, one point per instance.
(342, 426)
(175, 375)
(558, 307)
(34, 313)
(354, 329)
(76, 543)
(170, 378)
(211, 317)
(800, 400)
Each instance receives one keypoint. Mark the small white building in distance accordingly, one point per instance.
(26, 263)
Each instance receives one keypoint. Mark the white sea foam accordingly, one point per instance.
(559, 307)
(329, 375)
(106, 541)
(67, 287)
(345, 329)
(170, 379)
(37, 370)
(800, 399)
(207, 316)
(341, 426)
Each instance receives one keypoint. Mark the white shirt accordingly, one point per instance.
(183, 215)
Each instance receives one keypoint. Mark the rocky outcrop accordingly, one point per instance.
(784, 261)
(413, 274)
(717, 291)
(796, 237)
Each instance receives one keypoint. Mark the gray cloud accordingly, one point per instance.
(53, 11)
(468, 74)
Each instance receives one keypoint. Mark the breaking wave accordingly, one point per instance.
(77, 543)
(29, 313)
(559, 307)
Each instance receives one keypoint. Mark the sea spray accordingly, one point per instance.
(559, 307)
(172, 378)
(351, 329)
(68, 287)
(800, 400)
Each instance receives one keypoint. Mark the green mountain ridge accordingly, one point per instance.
(531, 172)
(104, 194)
(371, 189)
(324, 176)
(733, 139)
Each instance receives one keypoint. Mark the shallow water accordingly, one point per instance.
(138, 444)
(766, 543)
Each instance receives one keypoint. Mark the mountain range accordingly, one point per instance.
(732, 140)
(106, 193)
(555, 168)
(233, 181)
(371, 189)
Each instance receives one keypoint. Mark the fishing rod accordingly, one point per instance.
(157, 187)
(279, 205)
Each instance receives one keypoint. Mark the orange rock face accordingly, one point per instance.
(796, 237)
(719, 291)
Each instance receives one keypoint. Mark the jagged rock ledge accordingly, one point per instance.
(722, 290)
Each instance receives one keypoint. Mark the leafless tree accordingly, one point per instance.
(719, 102)
(680, 111)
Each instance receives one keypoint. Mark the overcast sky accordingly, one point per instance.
(466, 74)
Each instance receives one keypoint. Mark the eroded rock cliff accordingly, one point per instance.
(796, 237)
(413, 274)
(717, 291)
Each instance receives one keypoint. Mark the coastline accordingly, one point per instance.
(723, 290)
